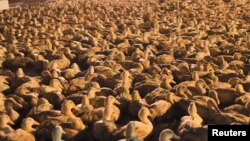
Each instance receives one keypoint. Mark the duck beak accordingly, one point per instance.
(152, 115)
(63, 132)
(77, 109)
(173, 82)
(36, 123)
(176, 137)
(18, 105)
(117, 102)
(11, 123)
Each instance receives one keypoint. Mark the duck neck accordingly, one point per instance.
(196, 76)
(144, 119)
(146, 54)
(3, 124)
(165, 138)
(107, 113)
(91, 94)
(67, 112)
(240, 89)
(200, 89)
(9, 110)
(78, 125)
(57, 137)
(182, 94)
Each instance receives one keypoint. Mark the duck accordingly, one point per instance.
(145, 60)
(61, 63)
(77, 84)
(136, 104)
(192, 121)
(17, 102)
(237, 109)
(199, 134)
(19, 78)
(126, 79)
(85, 105)
(2, 99)
(42, 105)
(181, 72)
(28, 125)
(67, 107)
(62, 115)
(145, 87)
(19, 135)
(164, 59)
(130, 134)
(160, 108)
(199, 88)
(27, 87)
(4, 84)
(166, 82)
(104, 128)
(143, 128)
(14, 115)
(54, 86)
(183, 92)
(168, 135)
(5, 124)
(137, 55)
(212, 97)
(71, 72)
(110, 101)
(229, 118)
(57, 133)
(227, 97)
(90, 114)
(73, 127)
(244, 99)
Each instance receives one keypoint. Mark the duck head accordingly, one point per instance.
(172, 98)
(92, 92)
(5, 119)
(20, 73)
(214, 95)
(57, 133)
(85, 100)
(28, 125)
(42, 101)
(168, 135)
(201, 86)
(55, 73)
(166, 82)
(195, 120)
(8, 105)
(10, 56)
(110, 100)
(74, 66)
(66, 108)
(144, 115)
(55, 83)
(14, 103)
(234, 81)
(222, 62)
(184, 68)
(183, 91)
(240, 89)
(135, 95)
